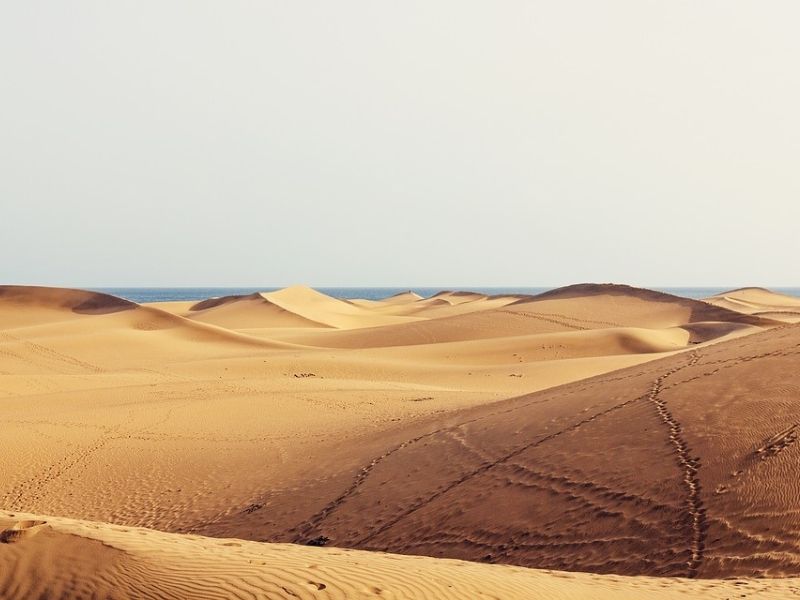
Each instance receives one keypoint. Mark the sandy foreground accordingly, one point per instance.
(596, 428)
(55, 557)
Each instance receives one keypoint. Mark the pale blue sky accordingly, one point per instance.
(438, 143)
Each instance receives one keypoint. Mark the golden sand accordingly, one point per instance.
(596, 428)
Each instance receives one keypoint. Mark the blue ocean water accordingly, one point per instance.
(162, 294)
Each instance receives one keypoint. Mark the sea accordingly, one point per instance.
(166, 294)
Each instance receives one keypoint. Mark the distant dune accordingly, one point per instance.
(575, 308)
(596, 428)
(760, 302)
(402, 298)
(36, 305)
(247, 312)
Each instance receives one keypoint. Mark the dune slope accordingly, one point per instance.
(685, 466)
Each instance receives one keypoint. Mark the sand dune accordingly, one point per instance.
(247, 312)
(35, 305)
(437, 307)
(592, 305)
(576, 308)
(48, 557)
(457, 297)
(555, 431)
(333, 312)
(49, 326)
(684, 466)
(526, 349)
(760, 302)
(296, 307)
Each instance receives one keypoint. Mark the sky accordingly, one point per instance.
(377, 143)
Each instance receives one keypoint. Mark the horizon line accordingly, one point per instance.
(399, 286)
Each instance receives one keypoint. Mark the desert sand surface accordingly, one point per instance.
(74, 558)
(596, 428)
(684, 466)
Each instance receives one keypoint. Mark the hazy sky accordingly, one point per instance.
(436, 143)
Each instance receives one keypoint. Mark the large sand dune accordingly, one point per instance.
(684, 466)
(594, 428)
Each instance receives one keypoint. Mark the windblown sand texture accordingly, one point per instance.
(596, 428)
(64, 558)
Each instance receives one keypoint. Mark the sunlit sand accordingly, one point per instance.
(596, 439)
